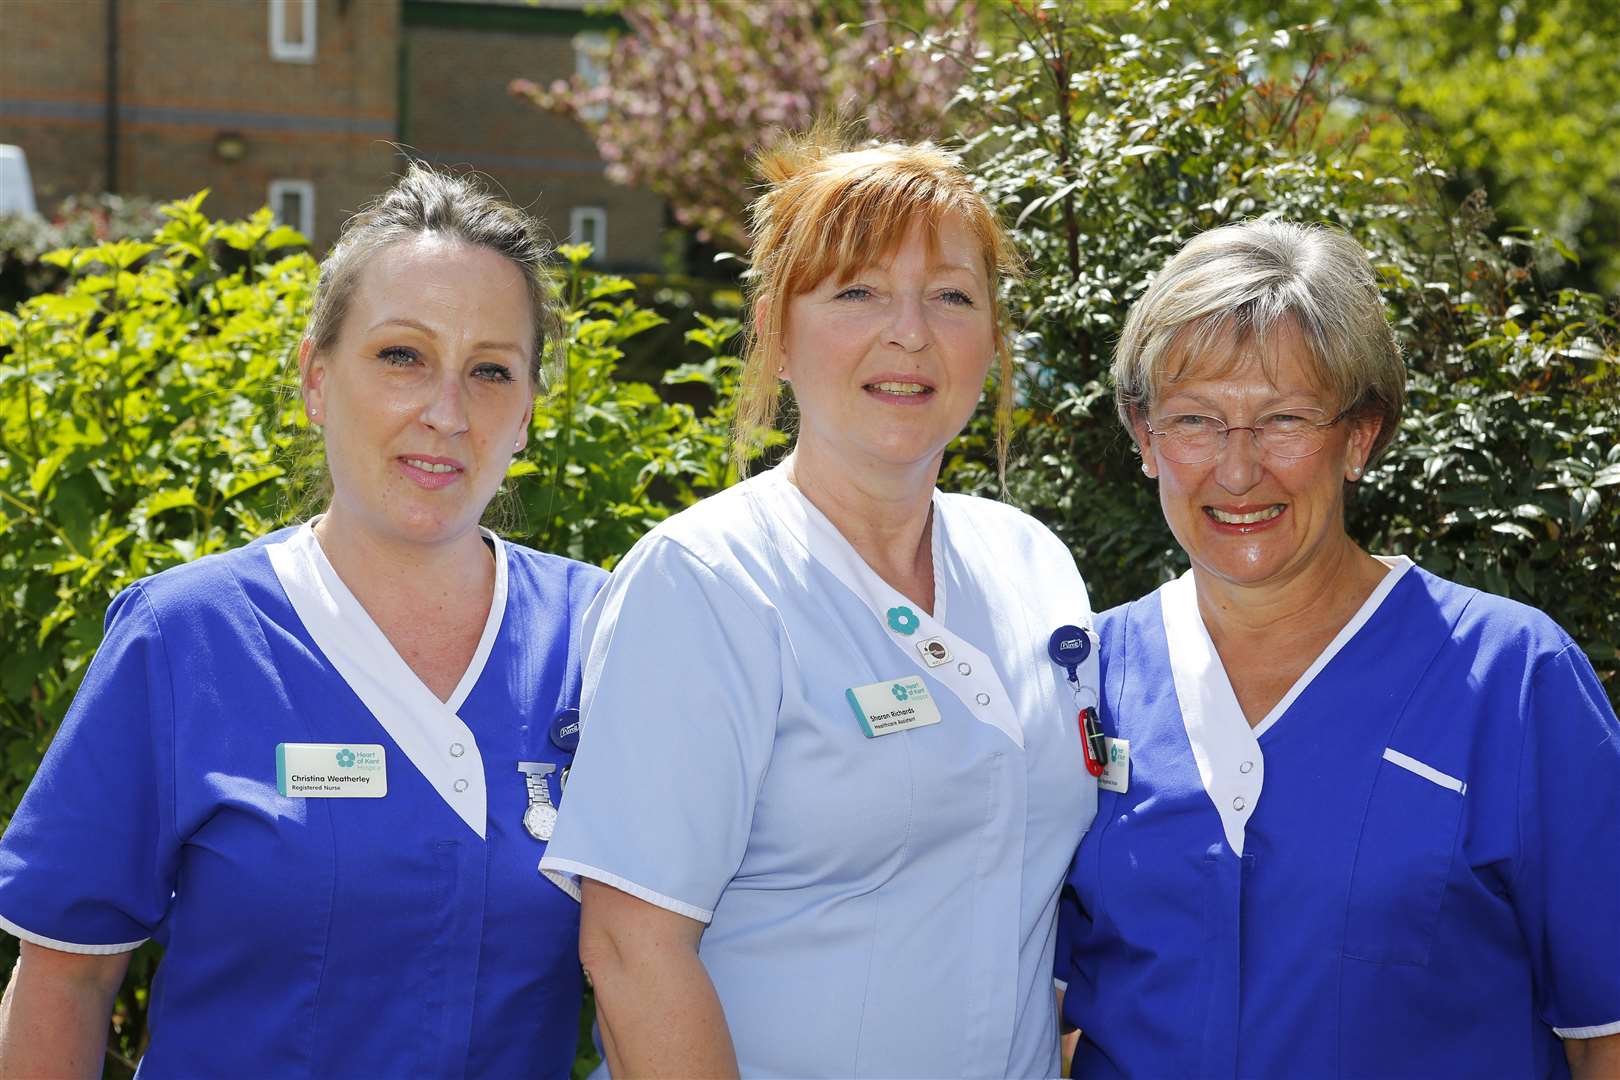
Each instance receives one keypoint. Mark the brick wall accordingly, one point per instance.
(190, 71)
(460, 113)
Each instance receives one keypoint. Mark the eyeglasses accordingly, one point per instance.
(1189, 438)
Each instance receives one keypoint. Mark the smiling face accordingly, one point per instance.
(888, 363)
(425, 395)
(1244, 516)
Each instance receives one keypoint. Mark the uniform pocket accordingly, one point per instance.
(1403, 861)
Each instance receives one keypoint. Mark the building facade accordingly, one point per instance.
(311, 106)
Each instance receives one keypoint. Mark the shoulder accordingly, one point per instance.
(1007, 530)
(1129, 623)
(732, 536)
(1492, 628)
(1115, 619)
(549, 574)
(214, 582)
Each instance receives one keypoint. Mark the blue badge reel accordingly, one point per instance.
(1069, 647)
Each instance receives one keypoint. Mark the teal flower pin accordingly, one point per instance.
(902, 620)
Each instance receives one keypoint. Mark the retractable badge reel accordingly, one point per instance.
(1069, 647)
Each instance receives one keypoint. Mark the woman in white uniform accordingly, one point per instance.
(1359, 821)
(829, 778)
(321, 769)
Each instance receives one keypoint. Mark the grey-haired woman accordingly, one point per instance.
(1357, 821)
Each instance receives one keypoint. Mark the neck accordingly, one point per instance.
(1324, 593)
(884, 515)
(377, 568)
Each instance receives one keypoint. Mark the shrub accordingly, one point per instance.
(78, 221)
(146, 419)
(1110, 149)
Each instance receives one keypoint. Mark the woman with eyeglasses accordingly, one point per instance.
(1357, 820)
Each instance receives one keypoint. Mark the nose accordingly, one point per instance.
(445, 411)
(1237, 465)
(908, 328)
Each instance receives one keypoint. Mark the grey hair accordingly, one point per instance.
(427, 201)
(1230, 288)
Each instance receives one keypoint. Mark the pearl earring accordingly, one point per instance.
(1145, 470)
(1356, 472)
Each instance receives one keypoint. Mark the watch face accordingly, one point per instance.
(540, 819)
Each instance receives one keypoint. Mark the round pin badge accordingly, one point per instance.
(565, 730)
(1068, 647)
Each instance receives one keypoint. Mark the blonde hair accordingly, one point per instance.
(1230, 289)
(830, 210)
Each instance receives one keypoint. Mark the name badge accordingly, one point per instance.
(331, 770)
(1116, 774)
(884, 708)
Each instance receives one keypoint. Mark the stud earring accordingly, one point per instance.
(1145, 470)
(1355, 473)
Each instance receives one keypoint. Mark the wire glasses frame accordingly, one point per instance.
(1191, 439)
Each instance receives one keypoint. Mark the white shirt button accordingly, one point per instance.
(1246, 767)
(1238, 803)
(982, 698)
(460, 785)
(965, 668)
(456, 749)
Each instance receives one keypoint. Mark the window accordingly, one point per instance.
(591, 53)
(293, 203)
(588, 225)
(292, 31)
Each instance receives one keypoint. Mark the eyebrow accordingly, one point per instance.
(482, 346)
(1271, 401)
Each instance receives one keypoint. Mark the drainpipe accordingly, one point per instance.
(112, 96)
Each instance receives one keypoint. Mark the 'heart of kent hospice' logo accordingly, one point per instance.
(345, 758)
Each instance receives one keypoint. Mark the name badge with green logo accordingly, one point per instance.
(331, 770)
(1116, 774)
(892, 705)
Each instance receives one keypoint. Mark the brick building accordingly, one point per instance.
(304, 104)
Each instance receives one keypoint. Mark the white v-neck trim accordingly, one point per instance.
(970, 676)
(435, 740)
(1231, 764)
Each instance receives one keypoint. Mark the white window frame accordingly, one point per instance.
(591, 50)
(305, 190)
(301, 51)
(597, 216)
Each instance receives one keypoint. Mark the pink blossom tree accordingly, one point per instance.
(693, 89)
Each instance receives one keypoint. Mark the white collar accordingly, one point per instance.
(979, 687)
(1226, 748)
(426, 729)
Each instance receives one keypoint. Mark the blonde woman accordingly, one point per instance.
(829, 779)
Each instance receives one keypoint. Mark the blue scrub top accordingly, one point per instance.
(1411, 868)
(407, 935)
(875, 906)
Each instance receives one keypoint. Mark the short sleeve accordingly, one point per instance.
(682, 689)
(1567, 887)
(87, 864)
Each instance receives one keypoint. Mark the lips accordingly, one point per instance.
(430, 472)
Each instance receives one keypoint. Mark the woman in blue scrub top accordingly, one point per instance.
(1359, 821)
(321, 769)
(829, 780)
